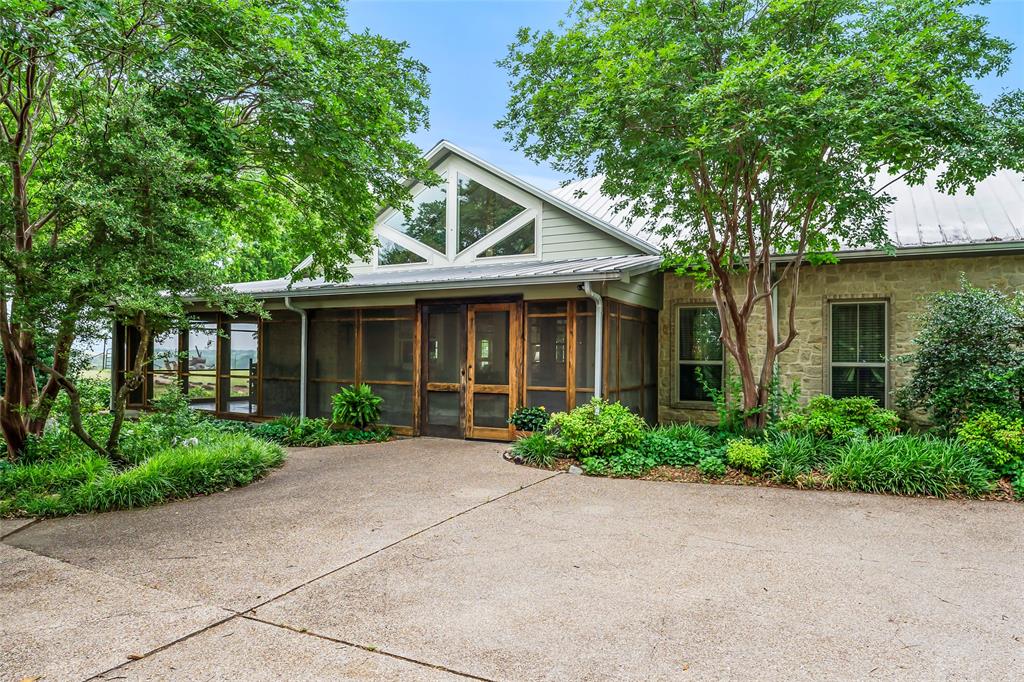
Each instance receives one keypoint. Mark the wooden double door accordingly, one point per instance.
(470, 380)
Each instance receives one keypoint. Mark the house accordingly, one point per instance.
(495, 294)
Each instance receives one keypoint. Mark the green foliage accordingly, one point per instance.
(909, 465)
(357, 406)
(167, 148)
(1018, 484)
(93, 393)
(744, 454)
(537, 449)
(314, 433)
(598, 428)
(732, 418)
(675, 446)
(996, 440)
(82, 481)
(711, 466)
(794, 455)
(628, 463)
(530, 418)
(697, 116)
(968, 356)
(841, 419)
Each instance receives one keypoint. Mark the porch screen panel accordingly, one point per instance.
(387, 357)
(163, 371)
(201, 367)
(547, 328)
(585, 340)
(279, 386)
(611, 351)
(332, 357)
(237, 366)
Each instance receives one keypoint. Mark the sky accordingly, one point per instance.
(460, 40)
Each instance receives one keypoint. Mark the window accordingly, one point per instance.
(427, 223)
(481, 211)
(391, 253)
(699, 353)
(858, 350)
(519, 243)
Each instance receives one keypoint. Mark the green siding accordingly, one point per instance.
(643, 290)
(564, 237)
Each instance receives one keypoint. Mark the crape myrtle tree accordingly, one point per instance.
(757, 135)
(141, 140)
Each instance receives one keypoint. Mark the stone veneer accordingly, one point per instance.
(902, 282)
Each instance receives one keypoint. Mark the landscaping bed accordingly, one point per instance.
(849, 444)
(170, 453)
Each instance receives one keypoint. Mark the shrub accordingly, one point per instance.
(630, 463)
(313, 433)
(94, 395)
(663, 446)
(698, 436)
(530, 418)
(598, 428)
(841, 419)
(1018, 484)
(357, 406)
(537, 449)
(86, 482)
(744, 454)
(711, 466)
(968, 357)
(792, 456)
(909, 465)
(996, 440)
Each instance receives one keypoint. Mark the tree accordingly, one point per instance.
(756, 132)
(138, 136)
(967, 356)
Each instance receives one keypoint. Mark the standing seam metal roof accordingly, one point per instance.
(920, 216)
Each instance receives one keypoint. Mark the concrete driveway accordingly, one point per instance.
(435, 559)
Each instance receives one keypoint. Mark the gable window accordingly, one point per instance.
(519, 243)
(427, 223)
(391, 253)
(481, 211)
(699, 352)
(858, 365)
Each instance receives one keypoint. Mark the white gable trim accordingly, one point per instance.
(445, 147)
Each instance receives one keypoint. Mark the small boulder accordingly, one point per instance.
(575, 470)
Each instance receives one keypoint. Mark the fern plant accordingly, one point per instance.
(358, 406)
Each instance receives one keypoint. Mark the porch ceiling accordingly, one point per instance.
(601, 268)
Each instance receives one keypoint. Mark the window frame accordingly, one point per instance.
(450, 170)
(677, 362)
(885, 364)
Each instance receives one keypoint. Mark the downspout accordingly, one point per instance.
(598, 338)
(302, 353)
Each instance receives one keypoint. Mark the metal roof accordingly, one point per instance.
(920, 217)
(418, 278)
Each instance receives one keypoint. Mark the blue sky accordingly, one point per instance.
(459, 41)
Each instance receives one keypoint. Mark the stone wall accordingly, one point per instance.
(903, 283)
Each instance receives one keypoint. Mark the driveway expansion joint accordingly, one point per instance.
(367, 648)
(397, 542)
(248, 614)
(21, 528)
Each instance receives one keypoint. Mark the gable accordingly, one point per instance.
(480, 215)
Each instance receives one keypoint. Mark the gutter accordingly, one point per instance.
(504, 281)
(302, 353)
(974, 248)
(598, 338)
